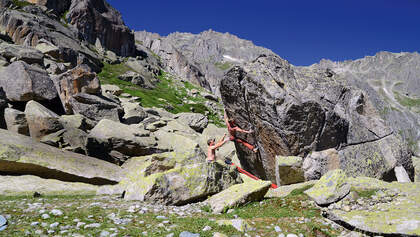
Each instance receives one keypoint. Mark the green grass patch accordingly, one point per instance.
(407, 101)
(223, 66)
(21, 4)
(365, 193)
(300, 191)
(168, 93)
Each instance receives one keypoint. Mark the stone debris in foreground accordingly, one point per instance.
(393, 208)
(239, 194)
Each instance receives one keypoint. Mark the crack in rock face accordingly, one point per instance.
(294, 113)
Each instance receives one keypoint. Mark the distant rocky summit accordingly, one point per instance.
(208, 54)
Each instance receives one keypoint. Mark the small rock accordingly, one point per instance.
(291, 235)
(206, 228)
(277, 229)
(80, 224)
(104, 233)
(54, 225)
(161, 217)
(56, 212)
(35, 223)
(188, 234)
(45, 216)
(93, 225)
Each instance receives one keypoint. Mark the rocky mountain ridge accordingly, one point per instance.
(109, 115)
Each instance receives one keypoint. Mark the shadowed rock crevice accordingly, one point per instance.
(17, 169)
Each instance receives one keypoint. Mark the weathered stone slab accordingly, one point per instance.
(180, 185)
(238, 195)
(27, 185)
(41, 121)
(16, 121)
(283, 191)
(22, 155)
(330, 188)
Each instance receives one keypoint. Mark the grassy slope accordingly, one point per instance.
(168, 93)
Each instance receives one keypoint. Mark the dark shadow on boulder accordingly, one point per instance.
(17, 169)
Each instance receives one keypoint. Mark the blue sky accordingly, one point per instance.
(303, 32)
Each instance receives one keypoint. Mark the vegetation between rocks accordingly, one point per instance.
(170, 94)
(270, 217)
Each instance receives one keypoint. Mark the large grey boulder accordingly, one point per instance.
(238, 195)
(133, 113)
(41, 121)
(77, 80)
(21, 53)
(119, 141)
(28, 185)
(96, 21)
(77, 121)
(181, 185)
(95, 107)
(23, 82)
(16, 121)
(70, 139)
(24, 156)
(294, 113)
(332, 187)
(198, 122)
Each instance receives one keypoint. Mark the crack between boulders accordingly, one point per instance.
(369, 141)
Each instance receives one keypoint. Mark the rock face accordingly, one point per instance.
(21, 53)
(180, 185)
(31, 26)
(96, 20)
(77, 80)
(394, 77)
(20, 155)
(59, 7)
(289, 170)
(201, 58)
(23, 82)
(41, 121)
(238, 195)
(318, 163)
(294, 113)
